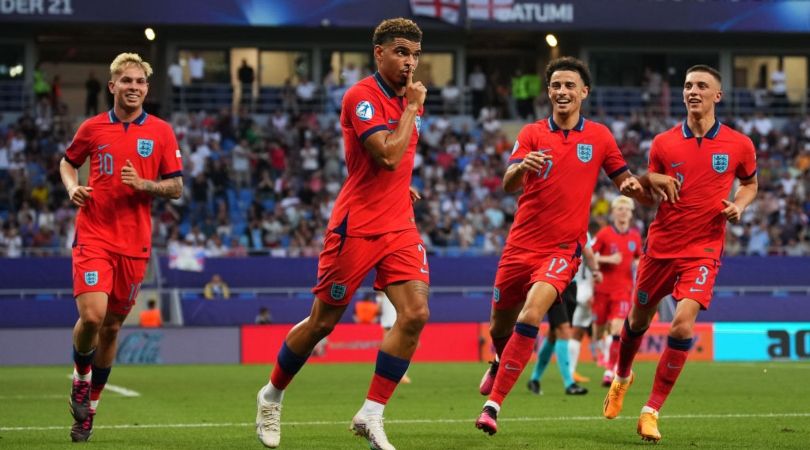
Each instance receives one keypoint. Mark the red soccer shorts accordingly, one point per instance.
(611, 305)
(98, 270)
(519, 269)
(682, 277)
(345, 261)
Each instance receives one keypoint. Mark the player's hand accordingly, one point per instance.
(415, 195)
(415, 92)
(615, 258)
(630, 187)
(79, 195)
(665, 187)
(597, 276)
(535, 161)
(732, 212)
(129, 176)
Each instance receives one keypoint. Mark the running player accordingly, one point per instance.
(372, 227)
(685, 240)
(545, 242)
(128, 150)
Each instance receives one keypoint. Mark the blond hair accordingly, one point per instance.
(623, 200)
(129, 59)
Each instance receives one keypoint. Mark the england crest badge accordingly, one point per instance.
(338, 291)
(719, 162)
(145, 147)
(91, 278)
(584, 152)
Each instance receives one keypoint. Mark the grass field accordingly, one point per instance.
(714, 405)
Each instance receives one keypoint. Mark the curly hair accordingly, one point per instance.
(129, 59)
(389, 29)
(568, 63)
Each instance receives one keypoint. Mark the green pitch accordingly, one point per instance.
(714, 405)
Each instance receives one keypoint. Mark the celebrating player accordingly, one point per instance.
(372, 226)
(685, 241)
(619, 248)
(556, 161)
(128, 150)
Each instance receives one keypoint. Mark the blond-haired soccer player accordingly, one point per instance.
(372, 226)
(134, 157)
(618, 247)
(685, 240)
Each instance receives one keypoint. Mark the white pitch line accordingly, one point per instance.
(32, 397)
(417, 421)
(117, 389)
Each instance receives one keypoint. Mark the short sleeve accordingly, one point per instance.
(523, 145)
(171, 163)
(365, 112)
(598, 242)
(79, 149)
(747, 166)
(614, 163)
(637, 247)
(655, 164)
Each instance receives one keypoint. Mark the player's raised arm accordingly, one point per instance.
(386, 148)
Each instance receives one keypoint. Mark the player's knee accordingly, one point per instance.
(414, 318)
(92, 322)
(681, 330)
(320, 328)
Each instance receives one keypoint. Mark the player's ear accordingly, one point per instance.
(110, 86)
(585, 91)
(719, 96)
(378, 51)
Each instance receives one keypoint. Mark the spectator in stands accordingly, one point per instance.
(11, 242)
(779, 100)
(196, 68)
(366, 310)
(92, 88)
(350, 74)
(150, 317)
(42, 89)
(175, 73)
(305, 92)
(759, 240)
(289, 98)
(264, 317)
(216, 289)
(451, 98)
(477, 84)
(246, 77)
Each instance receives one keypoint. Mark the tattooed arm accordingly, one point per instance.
(168, 188)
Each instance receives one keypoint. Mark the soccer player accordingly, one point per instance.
(685, 240)
(556, 161)
(372, 226)
(388, 317)
(129, 150)
(618, 247)
(582, 320)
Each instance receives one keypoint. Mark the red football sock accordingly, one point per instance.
(381, 389)
(629, 342)
(95, 391)
(613, 359)
(669, 367)
(513, 360)
(280, 378)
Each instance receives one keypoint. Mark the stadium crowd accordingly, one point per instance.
(267, 187)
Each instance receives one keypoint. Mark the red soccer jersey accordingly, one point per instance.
(373, 200)
(116, 217)
(555, 205)
(609, 241)
(694, 227)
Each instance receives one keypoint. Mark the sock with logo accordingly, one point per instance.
(515, 356)
(629, 342)
(669, 367)
(543, 358)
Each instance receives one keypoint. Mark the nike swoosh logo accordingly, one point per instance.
(552, 276)
(508, 367)
(670, 366)
(423, 270)
(392, 121)
(674, 165)
(102, 147)
(695, 290)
